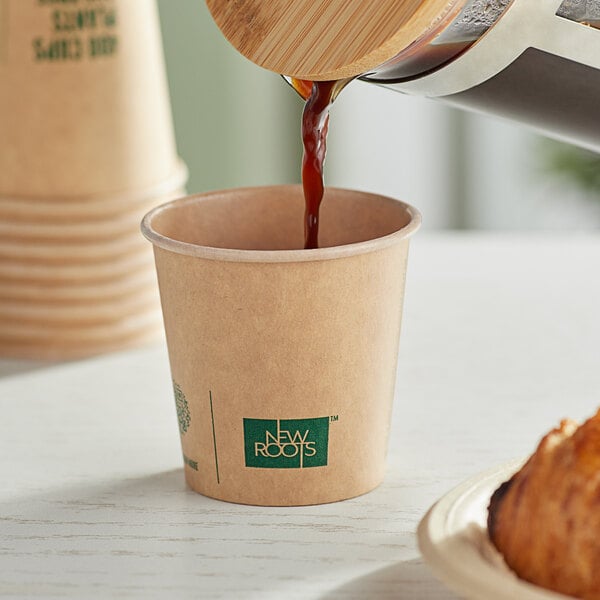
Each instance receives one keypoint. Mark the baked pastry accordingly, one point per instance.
(545, 520)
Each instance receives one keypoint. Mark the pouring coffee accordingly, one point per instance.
(533, 61)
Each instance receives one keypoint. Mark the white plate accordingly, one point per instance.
(454, 542)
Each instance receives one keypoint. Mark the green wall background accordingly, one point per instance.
(235, 123)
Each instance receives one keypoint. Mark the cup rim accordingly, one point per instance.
(274, 256)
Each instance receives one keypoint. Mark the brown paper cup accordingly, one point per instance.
(14, 313)
(43, 252)
(34, 350)
(63, 343)
(54, 211)
(74, 274)
(24, 232)
(84, 105)
(65, 293)
(283, 360)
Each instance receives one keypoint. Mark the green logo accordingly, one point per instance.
(183, 410)
(286, 443)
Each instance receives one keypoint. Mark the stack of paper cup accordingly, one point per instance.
(86, 148)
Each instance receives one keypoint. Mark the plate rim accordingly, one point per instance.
(469, 581)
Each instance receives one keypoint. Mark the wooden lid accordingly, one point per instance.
(323, 39)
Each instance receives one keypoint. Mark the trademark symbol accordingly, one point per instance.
(334, 418)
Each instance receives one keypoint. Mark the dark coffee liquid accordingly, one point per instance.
(319, 96)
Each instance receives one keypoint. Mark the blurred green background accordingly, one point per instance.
(236, 124)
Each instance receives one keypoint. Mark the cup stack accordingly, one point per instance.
(86, 148)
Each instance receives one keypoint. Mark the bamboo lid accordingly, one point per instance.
(324, 39)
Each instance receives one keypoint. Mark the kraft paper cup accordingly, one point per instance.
(87, 147)
(70, 212)
(99, 230)
(37, 342)
(84, 105)
(60, 274)
(42, 252)
(65, 293)
(283, 359)
(60, 332)
(34, 350)
(15, 312)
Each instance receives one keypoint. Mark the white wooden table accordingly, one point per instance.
(501, 339)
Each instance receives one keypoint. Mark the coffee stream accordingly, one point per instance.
(319, 96)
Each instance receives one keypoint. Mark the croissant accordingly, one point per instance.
(545, 520)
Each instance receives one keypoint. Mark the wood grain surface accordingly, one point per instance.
(500, 342)
(325, 39)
